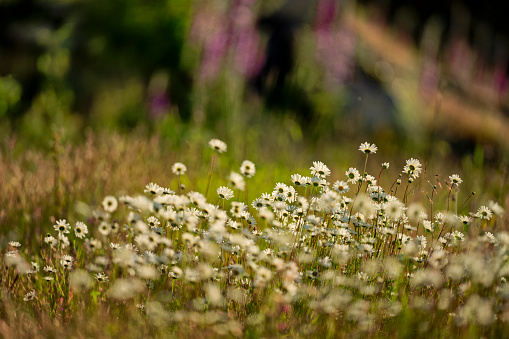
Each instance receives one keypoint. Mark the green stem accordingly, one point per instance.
(210, 174)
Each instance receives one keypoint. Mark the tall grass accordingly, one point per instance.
(373, 250)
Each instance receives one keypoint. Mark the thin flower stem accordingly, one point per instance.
(210, 174)
(246, 196)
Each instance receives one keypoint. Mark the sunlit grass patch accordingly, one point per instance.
(309, 256)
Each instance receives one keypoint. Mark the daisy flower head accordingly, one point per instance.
(29, 296)
(49, 269)
(153, 222)
(341, 186)
(455, 180)
(385, 165)
(319, 169)
(104, 228)
(218, 145)
(110, 204)
(370, 180)
(101, 277)
(179, 168)
(496, 208)
(153, 189)
(66, 261)
(62, 226)
(14, 244)
(247, 169)
(80, 230)
(298, 180)
(413, 168)
(237, 181)
(484, 212)
(368, 148)
(353, 175)
(464, 219)
(224, 193)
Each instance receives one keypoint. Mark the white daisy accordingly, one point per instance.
(247, 169)
(218, 145)
(110, 204)
(319, 169)
(179, 168)
(368, 148)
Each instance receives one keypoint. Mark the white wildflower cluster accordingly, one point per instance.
(325, 248)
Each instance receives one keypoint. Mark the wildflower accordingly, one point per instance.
(489, 237)
(48, 278)
(49, 269)
(370, 180)
(64, 240)
(80, 280)
(319, 169)
(224, 193)
(175, 272)
(385, 165)
(62, 226)
(218, 145)
(394, 209)
(455, 180)
(290, 194)
(110, 204)
(341, 186)
(179, 168)
(412, 168)
(318, 182)
(484, 212)
(368, 148)
(50, 240)
(114, 246)
(66, 261)
(416, 212)
(464, 219)
(104, 228)
(237, 181)
(80, 230)
(35, 267)
(101, 277)
(428, 226)
(153, 222)
(153, 188)
(14, 244)
(123, 289)
(247, 169)
(353, 175)
(298, 180)
(29, 296)
(496, 208)
(237, 208)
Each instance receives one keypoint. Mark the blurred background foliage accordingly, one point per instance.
(354, 71)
